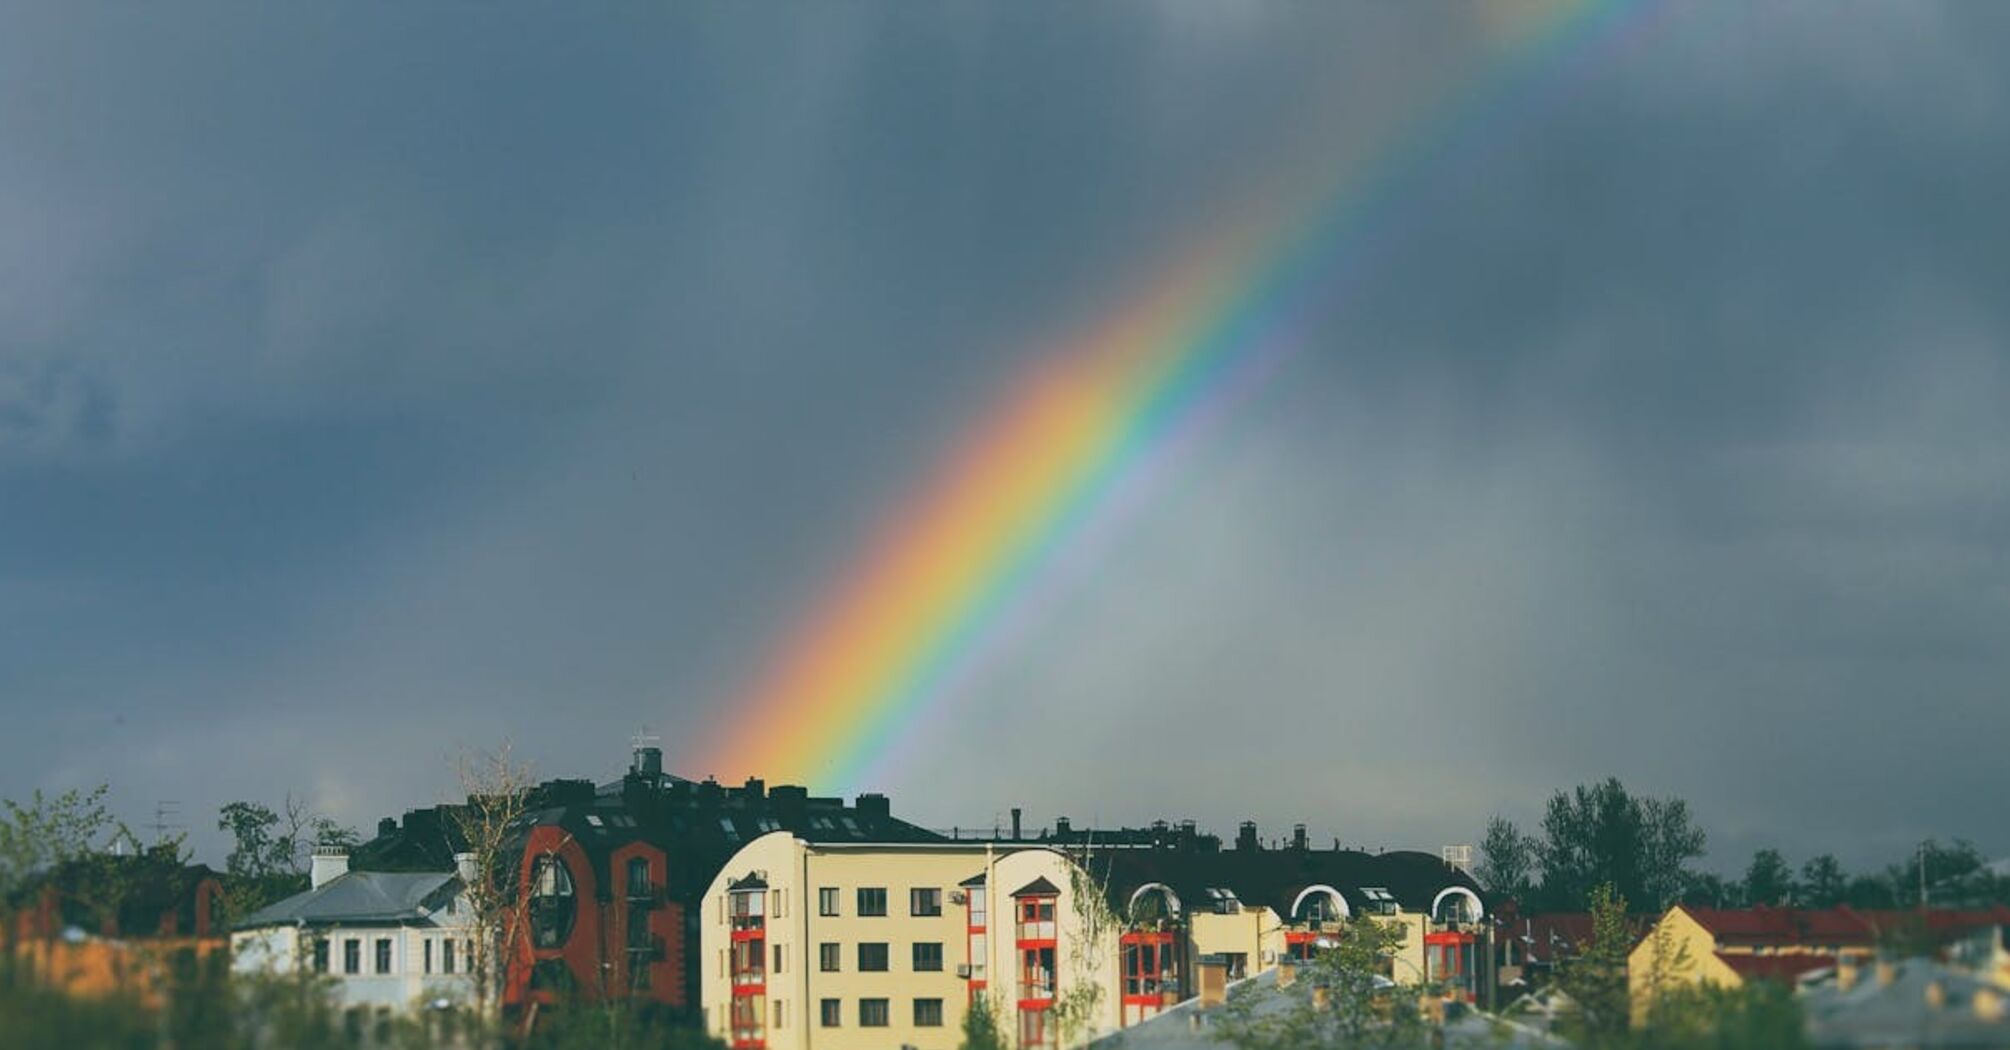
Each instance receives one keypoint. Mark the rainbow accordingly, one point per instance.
(1073, 445)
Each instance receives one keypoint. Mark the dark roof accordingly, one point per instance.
(1785, 968)
(1838, 926)
(751, 882)
(1275, 878)
(1039, 887)
(361, 897)
(974, 880)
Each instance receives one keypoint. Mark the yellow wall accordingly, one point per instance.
(796, 871)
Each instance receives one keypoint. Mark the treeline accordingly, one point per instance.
(1602, 834)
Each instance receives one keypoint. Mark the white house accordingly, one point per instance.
(389, 939)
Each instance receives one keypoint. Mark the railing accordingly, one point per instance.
(1036, 931)
(749, 922)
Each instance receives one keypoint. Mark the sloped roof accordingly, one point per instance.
(359, 897)
(1275, 877)
(1039, 887)
(1786, 968)
(1840, 926)
(1903, 1012)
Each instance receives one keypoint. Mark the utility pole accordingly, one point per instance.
(1922, 876)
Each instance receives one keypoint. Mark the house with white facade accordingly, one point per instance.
(388, 939)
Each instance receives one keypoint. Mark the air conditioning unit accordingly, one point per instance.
(958, 897)
(963, 970)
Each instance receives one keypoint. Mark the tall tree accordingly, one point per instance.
(1507, 859)
(1768, 879)
(497, 788)
(1823, 882)
(1600, 834)
(1670, 841)
(1595, 979)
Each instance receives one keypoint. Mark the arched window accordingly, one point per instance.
(551, 903)
(1319, 904)
(1153, 902)
(638, 878)
(1456, 905)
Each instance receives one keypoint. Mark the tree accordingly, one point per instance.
(48, 833)
(1595, 978)
(1871, 892)
(1599, 834)
(1671, 840)
(980, 1027)
(497, 788)
(1088, 897)
(1507, 859)
(1769, 880)
(1341, 998)
(1823, 883)
(270, 852)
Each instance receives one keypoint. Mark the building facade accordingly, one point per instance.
(810, 942)
(386, 940)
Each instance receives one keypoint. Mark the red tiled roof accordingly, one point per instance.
(1834, 926)
(1785, 968)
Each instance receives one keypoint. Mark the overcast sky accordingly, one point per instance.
(379, 380)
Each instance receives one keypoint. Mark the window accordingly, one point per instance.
(827, 958)
(447, 955)
(426, 965)
(775, 905)
(872, 900)
(827, 901)
(383, 955)
(551, 902)
(638, 878)
(928, 1013)
(778, 959)
(352, 956)
(1036, 1027)
(927, 956)
(320, 955)
(872, 1013)
(924, 900)
(872, 957)
(1036, 973)
(831, 1012)
(779, 1008)
(978, 916)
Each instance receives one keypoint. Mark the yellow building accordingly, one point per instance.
(849, 944)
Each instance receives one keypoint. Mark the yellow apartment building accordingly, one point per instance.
(852, 945)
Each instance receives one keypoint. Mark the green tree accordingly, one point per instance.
(1768, 880)
(1507, 860)
(1342, 998)
(1823, 882)
(980, 1027)
(1600, 834)
(1760, 1015)
(1595, 978)
(48, 833)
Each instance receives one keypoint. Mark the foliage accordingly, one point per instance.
(1507, 860)
(270, 851)
(1595, 978)
(1760, 1015)
(1341, 998)
(1768, 880)
(1075, 1005)
(1823, 883)
(1600, 834)
(613, 1026)
(980, 1027)
(48, 833)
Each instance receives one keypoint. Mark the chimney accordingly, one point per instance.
(464, 866)
(1245, 837)
(1989, 1008)
(1936, 995)
(1887, 972)
(1287, 972)
(1062, 827)
(648, 762)
(1298, 839)
(1213, 981)
(756, 789)
(1015, 822)
(329, 863)
(1846, 971)
(873, 804)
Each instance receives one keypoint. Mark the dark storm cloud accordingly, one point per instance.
(376, 382)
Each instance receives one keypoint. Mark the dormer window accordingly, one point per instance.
(1224, 901)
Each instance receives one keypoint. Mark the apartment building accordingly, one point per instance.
(810, 941)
